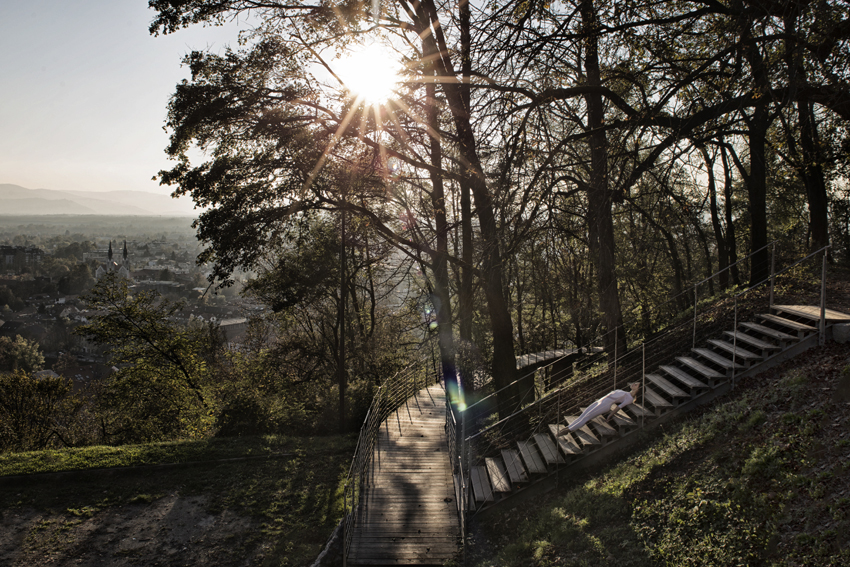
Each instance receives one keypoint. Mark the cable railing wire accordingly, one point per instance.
(710, 319)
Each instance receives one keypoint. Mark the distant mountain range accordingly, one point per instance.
(17, 200)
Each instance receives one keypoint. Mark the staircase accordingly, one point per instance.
(529, 465)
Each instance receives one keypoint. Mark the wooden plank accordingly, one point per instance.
(498, 475)
(657, 401)
(480, 484)
(666, 386)
(622, 419)
(737, 351)
(533, 462)
(516, 471)
(583, 434)
(700, 368)
(548, 449)
(812, 313)
(768, 332)
(715, 358)
(684, 378)
(638, 410)
(602, 427)
(565, 440)
(753, 342)
(408, 512)
(801, 328)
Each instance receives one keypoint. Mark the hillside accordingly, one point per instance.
(762, 477)
(17, 200)
(219, 502)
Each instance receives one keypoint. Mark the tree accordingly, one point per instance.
(35, 412)
(517, 108)
(20, 354)
(160, 388)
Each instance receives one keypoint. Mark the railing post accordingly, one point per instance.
(772, 273)
(734, 342)
(822, 337)
(464, 464)
(345, 525)
(694, 339)
(643, 382)
(615, 355)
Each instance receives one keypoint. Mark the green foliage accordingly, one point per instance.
(78, 280)
(7, 298)
(20, 354)
(36, 412)
(715, 490)
(161, 388)
(74, 250)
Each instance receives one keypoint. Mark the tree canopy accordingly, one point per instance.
(630, 147)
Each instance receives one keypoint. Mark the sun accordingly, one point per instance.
(369, 73)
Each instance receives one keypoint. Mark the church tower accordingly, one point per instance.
(124, 270)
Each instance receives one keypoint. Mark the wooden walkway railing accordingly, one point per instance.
(407, 513)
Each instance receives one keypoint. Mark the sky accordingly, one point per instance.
(84, 89)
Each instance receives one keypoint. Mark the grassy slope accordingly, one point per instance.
(294, 501)
(760, 478)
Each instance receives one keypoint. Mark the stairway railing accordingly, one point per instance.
(674, 314)
(390, 396)
(801, 282)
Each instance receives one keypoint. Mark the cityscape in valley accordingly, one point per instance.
(49, 263)
(349, 282)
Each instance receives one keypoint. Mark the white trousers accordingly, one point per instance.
(601, 407)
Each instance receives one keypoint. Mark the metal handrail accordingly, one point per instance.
(390, 396)
(600, 338)
(579, 388)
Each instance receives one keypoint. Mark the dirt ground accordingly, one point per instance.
(168, 531)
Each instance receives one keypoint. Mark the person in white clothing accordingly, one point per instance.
(611, 403)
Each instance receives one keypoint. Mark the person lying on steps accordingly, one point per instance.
(612, 402)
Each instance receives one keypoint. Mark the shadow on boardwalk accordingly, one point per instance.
(408, 515)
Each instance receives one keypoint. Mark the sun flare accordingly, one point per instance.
(369, 73)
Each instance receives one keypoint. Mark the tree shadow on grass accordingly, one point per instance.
(580, 527)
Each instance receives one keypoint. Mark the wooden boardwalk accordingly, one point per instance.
(408, 515)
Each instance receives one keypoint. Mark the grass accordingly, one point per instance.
(292, 503)
(762, 479)
(86, 458)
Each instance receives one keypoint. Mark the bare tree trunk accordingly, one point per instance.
(722, 254)
(756, 179)
(440, 256)
(731, 243)
(600, 197)
(504, 362)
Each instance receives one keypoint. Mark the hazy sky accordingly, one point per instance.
(83, 92)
